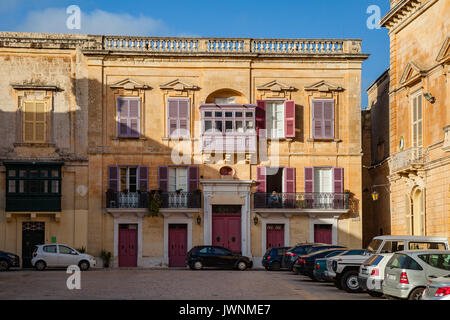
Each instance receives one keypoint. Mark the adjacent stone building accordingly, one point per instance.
(242, 143)
(419, 124)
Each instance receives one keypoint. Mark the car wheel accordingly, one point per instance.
(275, 266)
(4, 265)
(416, 294)
(84, 265)
(241, 265)
(349, 281)
(375, 294)
(40, 265)
(198, 265)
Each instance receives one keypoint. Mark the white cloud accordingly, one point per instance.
(53, 20)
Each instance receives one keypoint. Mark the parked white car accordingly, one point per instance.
(371, 274)
(60, 255)
(438, 289)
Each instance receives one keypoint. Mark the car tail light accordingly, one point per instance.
(317, 266)
(404, 278)
(289, 254)
(376, 272)
(268, 257)
(301, 261)
(444, 291)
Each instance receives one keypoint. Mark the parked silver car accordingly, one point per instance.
(60, 255)
(438, 289)
(408, 272)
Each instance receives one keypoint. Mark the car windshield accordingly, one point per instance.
(437, 260)
(374, 245)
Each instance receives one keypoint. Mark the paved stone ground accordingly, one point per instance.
(169, 284)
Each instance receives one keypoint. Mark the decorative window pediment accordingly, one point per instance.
(276, 86)
(444, 53)
(411, 74)
(178, 85)
(324, 86)
(129, 84)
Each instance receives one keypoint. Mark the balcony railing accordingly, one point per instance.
(129, 200)
(416, 156)
(231, 45)
(325, 201)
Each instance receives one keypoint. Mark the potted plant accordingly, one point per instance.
(106, 257)
(82, 250)
(154, 204)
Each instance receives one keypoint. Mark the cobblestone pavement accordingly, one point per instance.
(169, 284)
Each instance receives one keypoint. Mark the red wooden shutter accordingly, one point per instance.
(328, 119)
(309, 180)
(163, 178)
(193, 179)
(113, 178)
(261, 179)
(122, 117)
(338, 175)
(260, 117)
(317, 119)
(133, 118)
(289, 180)
(143, 178)
(289, 119)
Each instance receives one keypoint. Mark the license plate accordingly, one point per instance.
(364, 271)
(392, 277)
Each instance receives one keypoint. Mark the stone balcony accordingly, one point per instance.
(410, 159)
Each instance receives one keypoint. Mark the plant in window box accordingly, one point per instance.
(154, 203)
(302, 204)
(178, 191)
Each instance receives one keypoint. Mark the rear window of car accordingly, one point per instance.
(302, 249)
(427, 246)
(393, 246)
(401, 261)
(50, 249)
(353, 252)
(437, 260)
(204, 250)
(332, 254)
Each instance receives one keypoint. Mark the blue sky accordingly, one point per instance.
(211, 18)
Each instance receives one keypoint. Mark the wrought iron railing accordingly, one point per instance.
(409, 157)
(326, 201)
(128, 200)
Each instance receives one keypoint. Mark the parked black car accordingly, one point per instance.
(305, 264)
(8, 260)
(290, 257)
(274, 258)
(216, 257)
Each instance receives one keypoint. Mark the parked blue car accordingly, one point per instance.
(274, 258)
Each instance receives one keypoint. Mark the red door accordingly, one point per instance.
(275, 236)
(226, 231)
(177, 245)
(127, 245)
(322, 233)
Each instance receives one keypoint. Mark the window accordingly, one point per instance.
(275, 119)
(50, 249)
(178, 179)
(205, 250)
(128, 117)
(128, 179)
(393, 246)
(65, 250)
(322, 119)
(374, 245)
(417, 120)
(178, 117)
(401, 261)
(34, 124)
(427, 246)
(221, 251)
(437, 260)
(33, 180)
(228, 122)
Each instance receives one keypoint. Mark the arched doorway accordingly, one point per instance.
(418, 213)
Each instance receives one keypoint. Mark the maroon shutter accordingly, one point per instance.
(309, 180)
(143, 178)
(289, 180)
(113, 178)
(260, 117)
(133, 118)
(338, 175)
(328, 119)
(289, 119)
(261, 179)
(193, 179)
(317, 119)
(172, 117)
(122, 117)
(163, 178)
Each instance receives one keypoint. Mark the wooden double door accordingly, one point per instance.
(226, 227)
(128, 245)
(274, 236)
(177, 245)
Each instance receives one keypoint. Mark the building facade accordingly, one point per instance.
(241, 143)
(419, 116)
